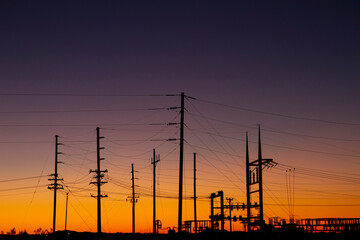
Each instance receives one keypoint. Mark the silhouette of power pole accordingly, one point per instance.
(254, 178)
(55, 185)
(99, 175)
(260, 164)
(66, 209)
(181, 163)
(230, 209)
(248, 179)
(154, 160)
(133, 198)
(195, 217)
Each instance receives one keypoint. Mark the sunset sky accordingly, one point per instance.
(67, 67)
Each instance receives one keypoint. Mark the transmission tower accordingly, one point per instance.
(99, 175)
(254, 186)
(55, 178)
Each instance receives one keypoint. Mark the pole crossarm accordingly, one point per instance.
(102, 195)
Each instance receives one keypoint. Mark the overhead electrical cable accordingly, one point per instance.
(279, 114)
(86, 95)
(218, 143)
(320, 205)
(81, 110)
(310, 136)
(21, 188)
(254, 126)
(82, 125)
(24, 178)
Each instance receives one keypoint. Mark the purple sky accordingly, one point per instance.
(259, 51)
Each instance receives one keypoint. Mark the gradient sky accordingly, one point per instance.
(67, 67)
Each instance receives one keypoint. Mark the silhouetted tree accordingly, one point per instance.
(38, 231)
(12, 232)
(22, 232)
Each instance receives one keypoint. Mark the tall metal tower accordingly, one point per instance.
(254, 186)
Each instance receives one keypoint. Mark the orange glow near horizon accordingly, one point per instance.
(31, 209)
(326, 176)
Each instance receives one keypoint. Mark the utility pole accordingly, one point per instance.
(260, 183)
(248, 176)
(293, 195)
(181, 163)
(133, 198)
(99, 175)
(230, 209)
(55, 186)
(195, 217)
(66, 209)
(222, 210)
(154, 160)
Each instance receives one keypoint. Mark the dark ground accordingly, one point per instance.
(209, 235)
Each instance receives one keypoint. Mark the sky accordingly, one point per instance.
(67, 67)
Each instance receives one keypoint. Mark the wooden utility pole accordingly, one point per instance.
(55, 186)
(154, 160)
(248, 176)
(99, 175)
(260, 182)
(133, 198)
(195, 217)
(181, 164)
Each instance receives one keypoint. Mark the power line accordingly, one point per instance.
(24, 178)
(279, 114)
(312, 136)
(86, 95)
(324, 171)
(82, 125)
(83, 110)
(269, 130)
(21, 188)
(319, 205)
(278, 146)
(228, 145)
(23, 142)
(324, 174)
